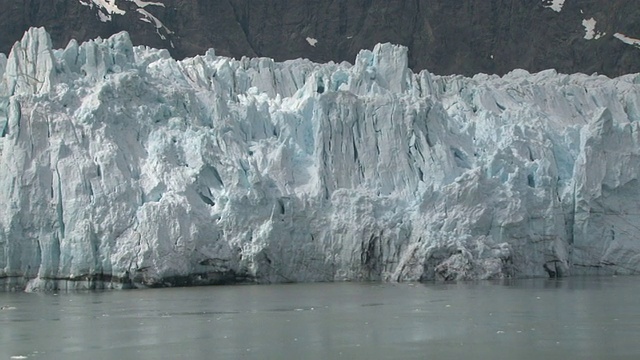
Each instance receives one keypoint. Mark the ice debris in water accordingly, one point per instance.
(121, 166)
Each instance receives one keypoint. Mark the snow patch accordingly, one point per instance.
(312, 41)
(555, 5)
(148, 17)
(590, 29)
(104, 17)
(143, 4)
(107, 8)
(627, 40)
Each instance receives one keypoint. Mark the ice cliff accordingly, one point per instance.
(121, 166)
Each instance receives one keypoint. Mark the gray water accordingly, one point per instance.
(572, 318)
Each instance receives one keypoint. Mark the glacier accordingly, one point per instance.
(122, 167)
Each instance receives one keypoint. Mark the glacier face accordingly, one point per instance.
(121, 166)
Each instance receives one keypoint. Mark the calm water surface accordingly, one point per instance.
(572, 318)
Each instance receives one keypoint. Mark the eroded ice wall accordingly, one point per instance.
(121, 166)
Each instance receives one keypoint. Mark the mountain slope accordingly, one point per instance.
(445, 37)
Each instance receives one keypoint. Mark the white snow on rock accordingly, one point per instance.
(590, 29)
(142, 4)
(312, 41)
(121, 166)
(107, 8)
(555, 5)
(148, 17)
(627, 40)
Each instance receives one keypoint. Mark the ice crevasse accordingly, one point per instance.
(122, 167)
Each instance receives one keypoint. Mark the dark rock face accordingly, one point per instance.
(444, 36)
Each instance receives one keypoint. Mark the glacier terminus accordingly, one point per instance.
(122, 167)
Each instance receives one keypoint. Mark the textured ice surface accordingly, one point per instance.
(121, 166)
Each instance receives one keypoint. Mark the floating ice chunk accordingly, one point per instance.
(312, 41)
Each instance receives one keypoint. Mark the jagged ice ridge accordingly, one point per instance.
(121, 166)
